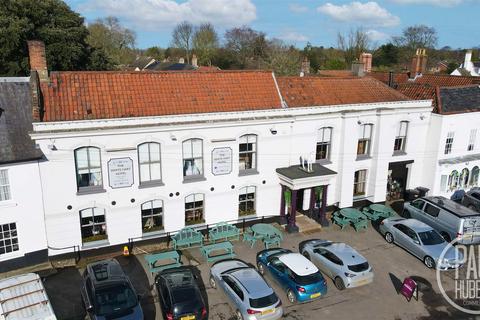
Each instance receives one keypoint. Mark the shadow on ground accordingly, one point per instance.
(63, 290)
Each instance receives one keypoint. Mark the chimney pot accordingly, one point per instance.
(194, 61)
(305, 68)
(419, 62)
(37, 59)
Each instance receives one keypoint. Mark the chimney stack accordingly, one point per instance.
(366, 59)
(419, 62)
(305, 69)
(38, 61)
(468, 65)
(358, 69)
(194, 60)
(181, 60)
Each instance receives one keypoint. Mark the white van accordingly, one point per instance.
(24, 298)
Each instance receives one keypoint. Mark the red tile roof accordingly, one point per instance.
(317, 91)
(336, 73)
(444, 80)
(101, 95)
(384, 76)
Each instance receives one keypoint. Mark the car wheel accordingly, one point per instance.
(291, 296)
(388, 237)
(429, 262)
(213, 283)
(238, 315)
(339, 283)
(445, 236)
(406, 214)
(306, 255)
(261, 268)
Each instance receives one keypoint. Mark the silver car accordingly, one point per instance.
(422, 241)
(251, 296)
(340, 262)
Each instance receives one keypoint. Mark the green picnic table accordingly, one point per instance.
(225, 247)
(382, 210)
(352, 214)
(266, 230)
(164, 260)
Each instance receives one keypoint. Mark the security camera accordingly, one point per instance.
(273, 131)
(359, 122)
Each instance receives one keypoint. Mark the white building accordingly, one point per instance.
(22, 229)
(468, 67)
(136, 155)
(452, 154)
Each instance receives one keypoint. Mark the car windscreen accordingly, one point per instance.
(186, 300)
(359, 267)
(430, 238)
(307, 279)
(114, 299)
(264, 301)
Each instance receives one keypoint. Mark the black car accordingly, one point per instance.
(471, 199)
(179, 295)
(108, 294)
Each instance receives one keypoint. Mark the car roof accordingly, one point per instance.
(415, 224)
(298, 263)
(106, 272)
(346, 253)
(451, 206)
(178, 278)
(252, 281)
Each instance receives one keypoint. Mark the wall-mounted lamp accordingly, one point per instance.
(273, 131)
(173, 137)
(359, 121)
(422, 117)
(52, 147)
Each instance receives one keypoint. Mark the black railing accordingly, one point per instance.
(76, 251)
(242, 223)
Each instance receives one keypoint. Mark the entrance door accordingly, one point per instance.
(397, 179)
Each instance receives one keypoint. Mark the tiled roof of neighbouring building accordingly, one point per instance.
(458, 99)
(318, 91)
(102, 95)
(16, 121)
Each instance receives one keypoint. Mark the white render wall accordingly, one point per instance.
(296, 136)
(25, 208)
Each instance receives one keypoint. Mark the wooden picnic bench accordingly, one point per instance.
(223, 231)
(341, 221)
(272, 241)
(187, 237)
(164, 260)
(361, 224)
(226, 247)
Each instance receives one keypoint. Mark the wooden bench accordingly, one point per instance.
(164, 260)
(362, 224)
(187, 237)
(224, 231)
(226, 247)
(272, 241)
(341, 222)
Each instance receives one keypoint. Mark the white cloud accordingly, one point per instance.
(158, 14)
(441, 3)
(292, 36)
(297, 8)
(369, 14)
(375, 35)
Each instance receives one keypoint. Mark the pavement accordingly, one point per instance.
(378, 300)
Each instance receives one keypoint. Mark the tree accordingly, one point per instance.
(353, 44)
(51, 21)
(155, 52)
(417, 36)
(182, 37)
(247, 45)
(205, 43)
(284, 60)
(116, 41)
(386, 55)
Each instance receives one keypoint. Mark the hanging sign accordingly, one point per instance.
(221, 161)
(120, 172)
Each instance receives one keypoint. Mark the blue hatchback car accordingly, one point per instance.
(297, 275)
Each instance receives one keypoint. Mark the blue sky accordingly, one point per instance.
(294, 21)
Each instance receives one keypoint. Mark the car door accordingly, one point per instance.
(278, 271)
(413, 243)
(400, 235)
(232, 290)
(431, 213)
(164, 296)
(327, 262)
(416, 208)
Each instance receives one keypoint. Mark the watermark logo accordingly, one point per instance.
(460, 284)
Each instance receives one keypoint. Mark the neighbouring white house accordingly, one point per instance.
(452, 154)
(132, 155)
(468, 67)
(22, 228)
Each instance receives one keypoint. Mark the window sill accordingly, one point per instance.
(151, 184)
(8, 204)
(323, 162)
(361, 157)
(153, 234)
(195, 179)
(247, 173)
(399, 153)
(95, 244)
(90, 191)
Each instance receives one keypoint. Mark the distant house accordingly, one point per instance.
(468, 68)
(141, 63)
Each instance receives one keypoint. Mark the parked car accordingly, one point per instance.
(338, 261)
(20, 296)
(107, 293)
(250, 295)
(298, 276)
(450, 219)
(179, 294)
(422, 241)
(471, 199)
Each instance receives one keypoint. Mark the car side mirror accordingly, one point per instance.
(417, 242)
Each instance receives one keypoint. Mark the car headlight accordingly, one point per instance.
(350, 275)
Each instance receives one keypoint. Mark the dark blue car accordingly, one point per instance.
(297, 275)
